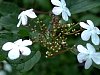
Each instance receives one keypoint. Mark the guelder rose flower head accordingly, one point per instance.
(60, 7)
(90, 31)
(88, 54)
(17, 48)
(23, 17)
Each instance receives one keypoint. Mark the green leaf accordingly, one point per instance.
(23, 67)
(77, 6)
(8, 8)
(9, 22)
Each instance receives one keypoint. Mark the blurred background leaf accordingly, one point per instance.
(77, 6)
(8, 8)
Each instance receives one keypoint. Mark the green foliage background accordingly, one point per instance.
(63, 64)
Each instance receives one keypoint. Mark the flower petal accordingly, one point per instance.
(67, 11)
(56, 2)
(86, 35)
(26, 43)
(90, 23)
(84, 25)
(19, 23)
(90, 48)
(30, 13)
(14, 54)
(57, 10)
(19, 16)
(24, 19)
(65, 16)
(82, 49)
(81, 57)
(97, 30)
(8, 46)
(95, 39)
(25, 51)
(96, 57)
(88, 63)
(18, 42)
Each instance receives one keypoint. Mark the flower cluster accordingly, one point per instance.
(88, 54)
(19, 46)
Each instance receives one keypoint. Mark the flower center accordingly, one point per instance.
(93, 30)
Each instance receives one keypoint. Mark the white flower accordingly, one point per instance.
(61, 8)
(90, 31)
(17, 48)
(23, 16)
(88, 54)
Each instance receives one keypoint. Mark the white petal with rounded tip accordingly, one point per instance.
(24, 19)
(65, 16)
(96, 57)
(26, 43)
(82, 49)
(90, 48)
(25, 51)
(97, 30)
(18, 42)
(86, 35)
(57, 10)
(84, 25)
(30, 13)
(90, 23)
(14, 54)
(8, 46)
(88, 63)
(19, 16)
(67, 11)
(81, 57)
(19, 23)
(56, 2)
(95, 39)
(29, 10)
